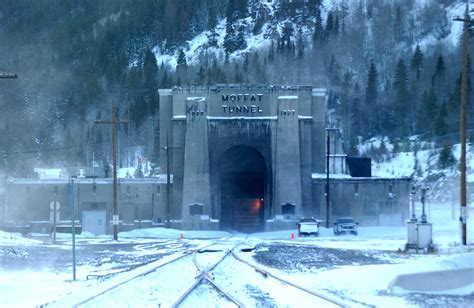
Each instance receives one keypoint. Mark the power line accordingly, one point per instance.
(55, 149)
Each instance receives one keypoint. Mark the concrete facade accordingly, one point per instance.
(28, 203)
(241, 158)
(225, 138)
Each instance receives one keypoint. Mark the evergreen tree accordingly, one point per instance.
(399, 26)
(287, 33)
(271, 52)
(166, 80)
(417, 62)
(234, 38)
(438, 81)
(329, 24)
(238, 77)
(446, 157)
(212, 16)
(138, 171)
(150, 76)
(402, 96)
(181, 62)
(318, 35)
(200, 76)
(356, 116)
(299, 45)
(336, 25)
(334, 72)
(440, 124)
(427, 111)
(181, 68)
(139, 111)
(371, 93)
(440, 66)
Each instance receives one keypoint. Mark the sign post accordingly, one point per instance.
(73, 227)
(54, 206)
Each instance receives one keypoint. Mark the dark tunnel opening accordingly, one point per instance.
(242, 190)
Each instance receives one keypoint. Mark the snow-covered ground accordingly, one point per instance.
(353, 279)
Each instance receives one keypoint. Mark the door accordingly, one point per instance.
(94, 221)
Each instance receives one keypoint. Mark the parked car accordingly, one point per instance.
(308, 227)
(345, 225)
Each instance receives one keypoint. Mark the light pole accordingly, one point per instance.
(413, 192)
(423, 213)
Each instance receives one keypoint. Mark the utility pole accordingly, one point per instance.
(114, 122)
(463, 215)
(327, 178)
(328, 155)
(167, 148)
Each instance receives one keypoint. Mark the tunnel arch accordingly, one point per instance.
(242, 188)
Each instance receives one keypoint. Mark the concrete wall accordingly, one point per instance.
(248, 116)
(290, 134)
(28, 202)
(372, 201)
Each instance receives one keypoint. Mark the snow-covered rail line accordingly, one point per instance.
(110, 292)
(214, 273)
(205, 275)
(319, 298)
(249, 285)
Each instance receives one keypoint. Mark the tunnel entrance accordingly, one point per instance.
(242, 190)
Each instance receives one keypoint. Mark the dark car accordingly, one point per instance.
(345, 225)
(308, 226)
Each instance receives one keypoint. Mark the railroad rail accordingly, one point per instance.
(266, 274)
(83, 297)
(205, 275)
(208, 275)
(176, 282)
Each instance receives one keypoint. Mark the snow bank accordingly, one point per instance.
(456, 282)
(7, 238)
(172, 233)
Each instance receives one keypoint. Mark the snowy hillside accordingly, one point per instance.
(211, 43)
(423, 166)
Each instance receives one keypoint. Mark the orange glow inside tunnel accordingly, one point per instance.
(256, 205)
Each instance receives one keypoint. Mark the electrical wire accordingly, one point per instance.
(54, 149)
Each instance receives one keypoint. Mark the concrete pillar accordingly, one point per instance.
(287, 156)
(318, 112)
(196, 179)
(165, 118)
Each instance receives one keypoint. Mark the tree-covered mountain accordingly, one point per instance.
(391, 67)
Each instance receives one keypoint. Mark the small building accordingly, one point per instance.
(29, 204)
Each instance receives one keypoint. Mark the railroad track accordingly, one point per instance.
(258, 288)
(213, 274)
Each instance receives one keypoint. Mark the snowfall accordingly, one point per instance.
(358, 284)
(370, 269)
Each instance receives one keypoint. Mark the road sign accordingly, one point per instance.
(52, 205)
(51, 217)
